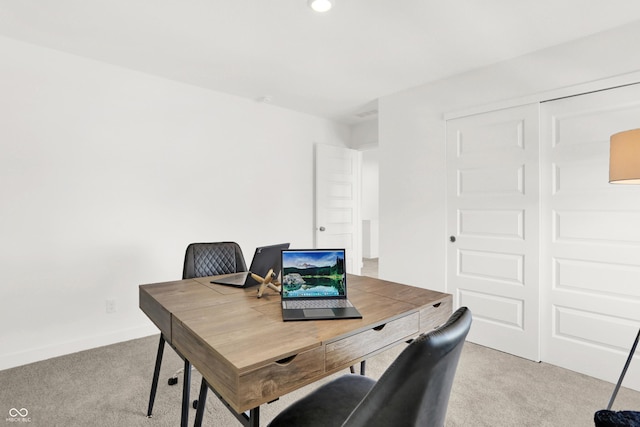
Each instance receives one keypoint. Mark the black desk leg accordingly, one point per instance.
(186, 385)
(250, 420)
(202, 398)
(254, 417)
(352, 368)
(156, 374)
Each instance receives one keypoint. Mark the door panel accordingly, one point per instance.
(493, 221)
(338, 199)
(590, 240)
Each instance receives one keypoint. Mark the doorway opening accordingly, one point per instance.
(370, 208)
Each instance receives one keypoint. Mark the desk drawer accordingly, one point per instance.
(347, 350)
(435, 315)
(280, 377)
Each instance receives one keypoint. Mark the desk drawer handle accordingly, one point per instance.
(379, 328)
(286, 360)
(437, 305)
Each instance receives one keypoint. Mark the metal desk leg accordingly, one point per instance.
(352, 368)
(156, 375)
(186, 385)
(254, 417)
(202, 398)
(250, 420)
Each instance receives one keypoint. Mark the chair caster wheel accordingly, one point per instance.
(195, 404)
(173, 381)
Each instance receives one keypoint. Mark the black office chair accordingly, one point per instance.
(200, 260)
(413, 391)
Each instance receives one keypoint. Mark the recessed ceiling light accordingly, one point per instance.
(320, 5)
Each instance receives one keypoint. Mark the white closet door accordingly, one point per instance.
(492, 213)
(590, 241)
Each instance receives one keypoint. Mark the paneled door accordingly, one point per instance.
(493, 226)
(338, 199)
(590, 244)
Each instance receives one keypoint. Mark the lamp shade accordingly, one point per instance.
(624, 157)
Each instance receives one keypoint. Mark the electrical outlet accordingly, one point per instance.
(111, 305)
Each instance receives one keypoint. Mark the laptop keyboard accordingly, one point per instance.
(322, 303)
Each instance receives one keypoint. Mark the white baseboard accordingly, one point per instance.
(37, 354)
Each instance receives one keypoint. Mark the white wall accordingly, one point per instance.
(412, 140)
(107, 174)
(364, 135)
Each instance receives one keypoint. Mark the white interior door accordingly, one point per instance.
(338, 202)
(590, 237)
(493, 224)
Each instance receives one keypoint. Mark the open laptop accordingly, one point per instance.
(314, 285)
(264, 259)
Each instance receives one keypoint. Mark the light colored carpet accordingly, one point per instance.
(109, 386)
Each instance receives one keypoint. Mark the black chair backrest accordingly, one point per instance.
(415, 389)
(210, 259)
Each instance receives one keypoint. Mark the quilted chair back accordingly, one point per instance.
(210, 259)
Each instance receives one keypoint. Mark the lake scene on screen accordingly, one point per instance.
(313, 274)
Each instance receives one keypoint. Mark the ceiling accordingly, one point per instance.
(334, 65)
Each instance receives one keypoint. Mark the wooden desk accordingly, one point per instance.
(249, 356)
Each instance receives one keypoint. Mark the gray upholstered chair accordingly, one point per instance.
(211, 259)
(200, 260)
(413, 391)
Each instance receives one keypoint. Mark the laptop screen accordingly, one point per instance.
(265, 258)
(313, 273)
